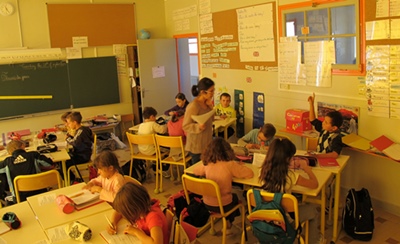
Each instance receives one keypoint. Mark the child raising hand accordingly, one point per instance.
(110, 178)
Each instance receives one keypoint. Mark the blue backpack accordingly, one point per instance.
(272, 231)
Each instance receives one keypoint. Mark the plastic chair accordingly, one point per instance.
(126, 118)
(207, 187)
(134, 141)
(131, 179)
(36, 182)
(172, 142)
(171, 221)
(289, 203)
(83, 168)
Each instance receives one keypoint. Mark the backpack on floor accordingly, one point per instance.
(358, 215)
(273, 231)
(138, 169)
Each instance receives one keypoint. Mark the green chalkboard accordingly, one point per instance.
(93, 81)
(76, 83)
(27, 79)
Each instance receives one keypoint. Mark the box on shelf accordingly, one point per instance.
(297, 120)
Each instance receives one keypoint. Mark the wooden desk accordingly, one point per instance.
(48, 213)
(61, 156)
(106, 127)
(30, 230)
(322, 177)
(223, 123)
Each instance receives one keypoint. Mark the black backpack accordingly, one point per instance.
(358, 215)
(138, 169)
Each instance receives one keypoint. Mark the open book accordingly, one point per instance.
(387, 146)
(84, 198)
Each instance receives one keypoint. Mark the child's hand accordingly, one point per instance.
(88, 186)
(112, 231)
(171, 113)
(311, 98)
(223, 116)
(132, 230)
(95, 189)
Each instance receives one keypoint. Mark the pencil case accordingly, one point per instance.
(78, 231)
(65, 204)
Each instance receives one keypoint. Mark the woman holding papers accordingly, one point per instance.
(198, 119)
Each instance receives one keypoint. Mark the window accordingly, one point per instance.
(192, 45)
(338, 21)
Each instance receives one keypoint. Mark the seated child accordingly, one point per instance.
(329, 140)
(110, 177)
(23, 163)
(181, 104)
(224, 110)
(150, 126)
(147, 221)
(275, 176)
(219, 165)
(64, 120)
(175, 125)
(255, 137)
(81, 142)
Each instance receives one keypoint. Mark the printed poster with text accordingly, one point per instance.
(258, 110)
(239, 107)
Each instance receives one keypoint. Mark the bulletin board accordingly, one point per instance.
(370, 15)
(103, 24)
(225, 36)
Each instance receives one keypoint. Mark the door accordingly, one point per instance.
(158, 73)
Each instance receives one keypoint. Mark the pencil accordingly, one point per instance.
(77, 195)
(109, 222)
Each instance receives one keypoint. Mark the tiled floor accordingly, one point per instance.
(386, 230)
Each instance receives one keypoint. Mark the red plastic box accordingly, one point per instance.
(297, 120)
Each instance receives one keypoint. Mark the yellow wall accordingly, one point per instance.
(28, 27)
(380, 176)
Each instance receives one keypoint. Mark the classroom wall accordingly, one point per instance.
(28, 27)
(379, 175)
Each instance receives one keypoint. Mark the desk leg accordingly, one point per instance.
(323, 205)
(336, 208)
(64, 169)
(226, 132)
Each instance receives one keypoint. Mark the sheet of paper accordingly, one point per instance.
(57, 234)
(258, 159)
(47, 199)
(393, 151)
(4, 228)
(119, 238)
(381, 143)
(356, 141)
(201, 119)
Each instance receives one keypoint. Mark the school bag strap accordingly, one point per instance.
(257, 197)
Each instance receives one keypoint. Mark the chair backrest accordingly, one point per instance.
(203, 187)
(311, 143)
(174, 142)
(135, 140)
(131, 179)
(127, 118)
(170, 216)
(94, 146)
(289, 203)
(36, 182)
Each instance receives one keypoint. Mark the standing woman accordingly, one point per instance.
(199, 135)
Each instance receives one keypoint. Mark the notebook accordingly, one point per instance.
(84, 199)
(119, 238)
(328, 162)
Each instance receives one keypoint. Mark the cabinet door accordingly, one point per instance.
(158, 73)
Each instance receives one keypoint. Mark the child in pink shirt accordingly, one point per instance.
(110, 178)
(218, 165)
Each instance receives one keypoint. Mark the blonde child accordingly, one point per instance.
(109, 179)
(255, 137)
(275, 176)
(147, 221)
(224, 110)
(219, 165)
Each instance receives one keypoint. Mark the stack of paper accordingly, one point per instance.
(83, 199)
